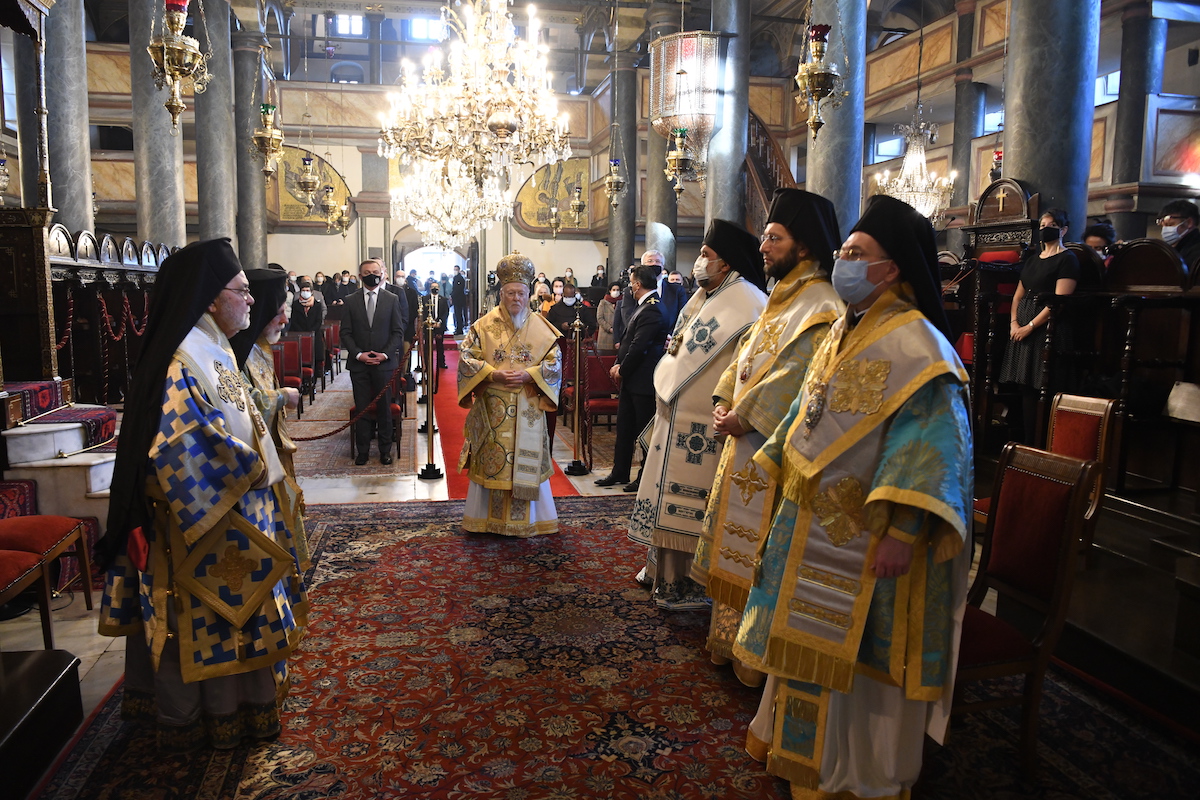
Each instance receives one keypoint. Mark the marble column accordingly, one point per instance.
(1048, 123)
(25, 66)
(216, 140)
(375, 49)
(726, 198)
(622, 219)
(1143, 44)
(970, 106)
(251, 184)
(157, 149)
(834, 163)
(67, 122)
(662, 208)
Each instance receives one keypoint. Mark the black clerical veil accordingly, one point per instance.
(908, 239)
(269, 288)
(738, 248)
(811, 220)
(187, 283)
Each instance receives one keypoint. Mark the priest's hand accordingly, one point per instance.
(892, 558)
(727, 423)
(511, 378)
(291, 396)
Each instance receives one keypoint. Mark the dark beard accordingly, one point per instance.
(781, 268)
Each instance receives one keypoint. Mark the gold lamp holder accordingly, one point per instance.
(343, 219)
(614, 183)
(268, 140)
(578, 206)
(818, 79)
(177, 58)
(679, 161)
(308, 182)
(555, 221)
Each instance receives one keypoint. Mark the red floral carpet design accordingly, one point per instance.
(444, 665)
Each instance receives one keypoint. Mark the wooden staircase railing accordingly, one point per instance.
(766, 170)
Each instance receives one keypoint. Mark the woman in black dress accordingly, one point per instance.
(1054, 270)
(308, 315)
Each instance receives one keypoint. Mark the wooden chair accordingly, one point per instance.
(47, 536)
(287, 368)
(1080, 427)
(333, 349)
(397, 419)
(308, 369)
(1040, 502)
(20, 570)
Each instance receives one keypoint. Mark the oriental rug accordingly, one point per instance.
(444, 665)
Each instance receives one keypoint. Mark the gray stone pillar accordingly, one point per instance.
(1143, 43)
(1048, 123)
(970, 106)
(251, 184)
(375, 48)
(662, 209)
(834, 160)
(621, 220)
(67, 121)
(25, 58)
(157, 151)
(216, 140)
(726, 183)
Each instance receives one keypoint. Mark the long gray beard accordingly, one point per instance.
(520, 319)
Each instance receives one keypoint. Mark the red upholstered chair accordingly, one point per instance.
(19, 571)
(333, 348)
(1080, 427)
(602, 392)
(286, 353)
(397, 418)
(308, 370)
(1040, 502)
(44, 535)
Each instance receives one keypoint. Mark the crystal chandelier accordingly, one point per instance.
(915, 184)
(177, 58)
(683, 99)
(488, 108)
(445, 204)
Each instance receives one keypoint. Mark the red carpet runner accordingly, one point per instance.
(452, 422)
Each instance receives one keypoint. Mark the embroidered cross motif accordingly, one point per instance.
(859, 386)
(233, 568)
(497, 328)
(697, 443)
(702, 335)
(839, 511)
(750, 481)
(531, 414)
(769, 343)
(229, 386)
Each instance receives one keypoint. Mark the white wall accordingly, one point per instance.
(307, 253)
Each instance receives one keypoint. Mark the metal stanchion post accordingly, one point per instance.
(430, 471)
(577, 467)
(422, 365)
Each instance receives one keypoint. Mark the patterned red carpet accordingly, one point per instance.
(443, 665)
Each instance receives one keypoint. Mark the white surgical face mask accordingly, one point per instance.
(570, 274)
(1173, 234)
(305, 293)
(850, 279)
(569, 301)
(615, 293)
(701, 272)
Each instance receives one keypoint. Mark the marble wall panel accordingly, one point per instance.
(898, 63)
(992, 24)
(341, 108)
(113, 180)
(108, 69)
(1099, 131)
(769, 102)
(578, 121)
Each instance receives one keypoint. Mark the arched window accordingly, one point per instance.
(346, 72)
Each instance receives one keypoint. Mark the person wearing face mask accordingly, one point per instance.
(1053, 271)
(605, 316)
(1100, 237)
(441, 313)
(372, 332)
(599, 280)
(569, 278)
(308, 316)
(562, 314)
(683, 450)
(751, 400)
(1180, 223)
(877, 483)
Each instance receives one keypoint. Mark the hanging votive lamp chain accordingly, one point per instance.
(177, 58)
(268, 140)
(578, 206)
(818, 79)
(308, 181)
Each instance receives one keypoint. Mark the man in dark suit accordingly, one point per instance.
(441, 313)
(671, 298)
(458, 296)
(645, 335)
(406, 310)
(371, 335)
